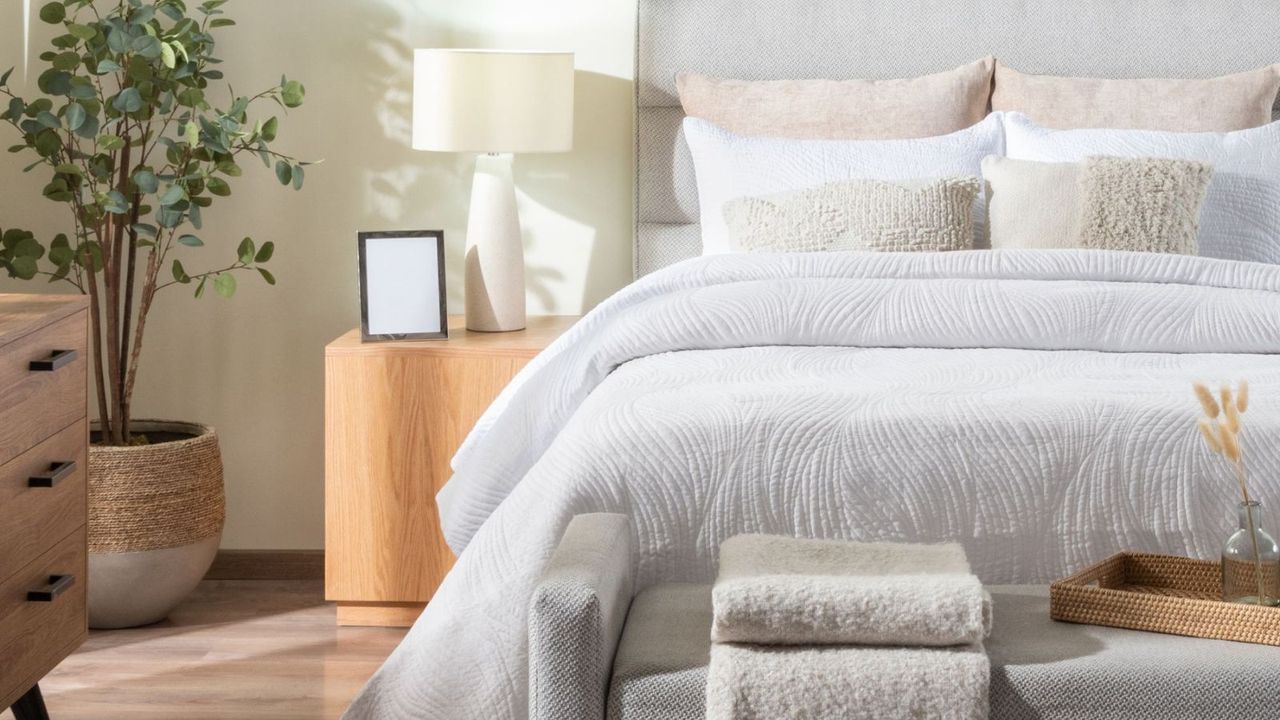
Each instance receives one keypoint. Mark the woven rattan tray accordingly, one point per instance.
(1161, 593)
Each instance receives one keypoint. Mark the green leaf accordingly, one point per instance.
(29, 247)
(266, 275)
(74, 116)
(23, 268)
(191, 133)
(54, 82)
(190, 241)
(68, 169)
(89, 256)
(107, 66)
(265, 252)
(269, 129)
(246, 251)
(167, 217)
(298, 175)
(49, 120)
(4, 77)
(48, 143)
(179, 273)
(115, 203)
(174, 195)
(200, 287)
(129, 100)
(284, 173)
(109, 143)
(67, 61)
(292, 93)
(229, 168)
(167, 57)
(225, 284)
(218, 186)
(147, 46)
(117, 40)
(84, 32)
(222, 22)
(53, 13)
(146, 180)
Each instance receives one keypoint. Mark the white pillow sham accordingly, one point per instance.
(1240, 218)
(730, 166)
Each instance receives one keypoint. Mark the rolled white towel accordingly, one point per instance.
(782, 590)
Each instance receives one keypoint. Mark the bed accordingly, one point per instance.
(1032, 405)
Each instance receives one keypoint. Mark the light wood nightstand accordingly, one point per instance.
(395, 412)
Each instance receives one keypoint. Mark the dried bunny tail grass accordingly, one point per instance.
(1230, 444)
(1225, 393)
(1207, 402)
(1242, 396)
(1231, 417)
(1208, 430)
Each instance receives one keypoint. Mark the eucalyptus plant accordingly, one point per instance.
(131, 142)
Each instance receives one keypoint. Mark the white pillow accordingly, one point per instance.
(731, 166)
(1240, 217)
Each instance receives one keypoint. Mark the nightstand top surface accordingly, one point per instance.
(22, 313)
(540, 331)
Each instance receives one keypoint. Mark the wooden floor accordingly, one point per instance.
(241, 649)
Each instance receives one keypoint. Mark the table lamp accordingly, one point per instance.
(494, 102)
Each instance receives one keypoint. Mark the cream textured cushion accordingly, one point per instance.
(1103, 203)
(922, 215)
(1221, 104)
(842, 109)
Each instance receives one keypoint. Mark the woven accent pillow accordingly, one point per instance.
(917, 107)
(912, 216)
(1222, 104)
(1103, 203)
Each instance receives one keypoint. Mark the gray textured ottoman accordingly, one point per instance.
(1041, 669)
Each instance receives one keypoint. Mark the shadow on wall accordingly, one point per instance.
(584, 186)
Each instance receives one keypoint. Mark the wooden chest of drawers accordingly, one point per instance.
(44, 463)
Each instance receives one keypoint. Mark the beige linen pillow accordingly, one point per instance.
(918, 107)
(918, 215)
(1103, 203)
(1221, 104)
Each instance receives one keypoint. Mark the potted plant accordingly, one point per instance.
(132, 142)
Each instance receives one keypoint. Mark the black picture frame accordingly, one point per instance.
(437, 236)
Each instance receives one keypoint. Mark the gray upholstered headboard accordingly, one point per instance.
(771, 39)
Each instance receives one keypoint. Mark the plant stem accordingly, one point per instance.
(1238, 465)
(125, 355)
(96, 327)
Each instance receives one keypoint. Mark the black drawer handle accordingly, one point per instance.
(58, 584)
(56, 473)
(56, 359)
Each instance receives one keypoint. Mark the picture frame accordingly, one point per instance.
(402, 285)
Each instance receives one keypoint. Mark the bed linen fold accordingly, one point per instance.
(1032, 406)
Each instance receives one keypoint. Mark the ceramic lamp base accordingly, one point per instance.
(495, 250)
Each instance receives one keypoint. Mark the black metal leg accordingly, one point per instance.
(30, 706)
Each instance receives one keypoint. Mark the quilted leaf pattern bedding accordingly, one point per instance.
(1031, 405)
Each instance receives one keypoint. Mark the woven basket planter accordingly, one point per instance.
(155, 521)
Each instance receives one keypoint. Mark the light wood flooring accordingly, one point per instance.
(242, 649)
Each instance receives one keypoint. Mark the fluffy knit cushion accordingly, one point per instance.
(1102, 203)
(917, 107)
(1222, 104)
(919, 215)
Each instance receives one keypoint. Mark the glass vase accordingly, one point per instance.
(1251, 561)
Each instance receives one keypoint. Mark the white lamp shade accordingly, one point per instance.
(492, 101)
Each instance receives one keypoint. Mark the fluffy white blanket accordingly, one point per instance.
(1033, 406)
(779, 590)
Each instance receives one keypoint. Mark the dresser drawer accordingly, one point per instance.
(35, 514)
(36, 636)
(36, 403)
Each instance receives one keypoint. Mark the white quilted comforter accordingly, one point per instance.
(1033, 406)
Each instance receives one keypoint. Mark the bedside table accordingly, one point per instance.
(395, 412)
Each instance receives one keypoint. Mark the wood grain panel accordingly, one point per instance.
(32, 520)
(22, 314)
(267, 565)
(395, 413)
(35, 405)
(35, 636)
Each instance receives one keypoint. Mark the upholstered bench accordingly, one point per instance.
(596, 652)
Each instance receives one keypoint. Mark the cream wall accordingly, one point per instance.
(253, 365)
